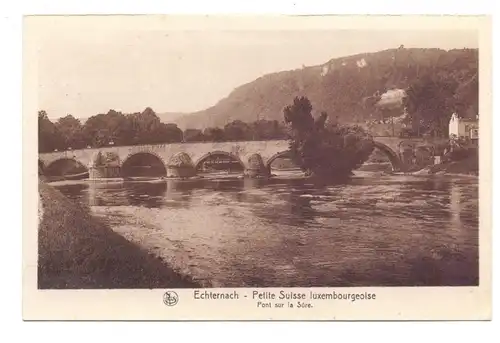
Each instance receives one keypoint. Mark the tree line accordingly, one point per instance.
(118, 129)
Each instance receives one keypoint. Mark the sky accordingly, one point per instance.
(187, 71)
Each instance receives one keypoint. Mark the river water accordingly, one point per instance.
(373, 230)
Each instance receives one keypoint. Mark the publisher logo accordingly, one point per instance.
(170, 298)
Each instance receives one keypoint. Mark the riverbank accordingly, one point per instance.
(76, 250)
(465, 167)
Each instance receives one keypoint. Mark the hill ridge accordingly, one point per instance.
(342, 86)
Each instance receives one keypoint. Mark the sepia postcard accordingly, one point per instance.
(256, 167)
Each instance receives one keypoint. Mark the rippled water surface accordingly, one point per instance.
(374, 230)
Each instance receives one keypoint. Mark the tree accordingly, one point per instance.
(466, 98)
(104, 129)
(193, 135)
(171, 133)
(149, 127)
(299, 115)
(430, 102)
(237, 131)
(141, 128)
(267, 129)
(49, 137)
(213, 134)
(327, 151)
(71, 131)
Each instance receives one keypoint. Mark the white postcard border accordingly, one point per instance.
(391, 303)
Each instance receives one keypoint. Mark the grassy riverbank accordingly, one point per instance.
(76, 250)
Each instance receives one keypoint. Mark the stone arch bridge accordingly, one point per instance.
(254, 156)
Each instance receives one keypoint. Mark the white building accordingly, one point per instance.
(464, 127)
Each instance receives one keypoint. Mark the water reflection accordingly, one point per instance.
(455, 206)
(231, 231)
(178, 193)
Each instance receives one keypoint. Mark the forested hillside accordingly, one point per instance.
(348, 88)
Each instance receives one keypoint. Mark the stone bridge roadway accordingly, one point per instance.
(198, 152)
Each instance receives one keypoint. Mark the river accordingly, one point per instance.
(374, 230)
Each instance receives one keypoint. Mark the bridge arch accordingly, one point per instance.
(391, 154)
(286, 153)
(203, 158)
(63, 166)
(150, 163)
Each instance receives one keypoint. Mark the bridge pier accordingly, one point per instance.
(255, 167)
(104, 172)
(104, 166)
(253, 173)
(180, 165)
(180, 171)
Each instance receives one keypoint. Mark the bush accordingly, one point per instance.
(457, 154)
